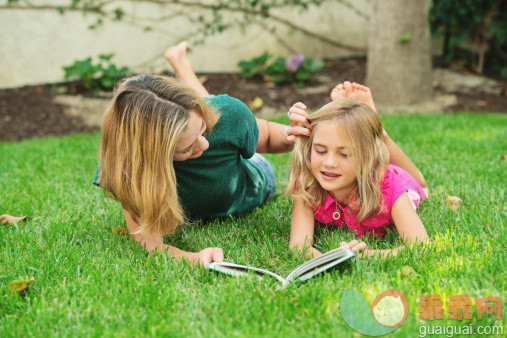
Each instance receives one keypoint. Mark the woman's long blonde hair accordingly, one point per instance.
(363, 129)
(141, 128)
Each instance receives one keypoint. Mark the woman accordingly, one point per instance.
(168, 154)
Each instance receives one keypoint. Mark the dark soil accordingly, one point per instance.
(29, 112)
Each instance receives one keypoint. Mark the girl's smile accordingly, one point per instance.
(329, 175)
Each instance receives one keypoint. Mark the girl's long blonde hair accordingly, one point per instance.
(141, 128)
(363, 129)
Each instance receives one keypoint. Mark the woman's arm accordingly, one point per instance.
(277, 138)
(155, 242)
(272, 138)
(302, 227)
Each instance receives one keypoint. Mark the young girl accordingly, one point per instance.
(341, 175)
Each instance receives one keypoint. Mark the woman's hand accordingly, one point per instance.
(298, 122)
(208, 255)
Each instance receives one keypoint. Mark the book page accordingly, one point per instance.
(320, 264)
(241, 270)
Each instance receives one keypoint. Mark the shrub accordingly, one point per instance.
(95, 77)
(480, 25)
(294, 69)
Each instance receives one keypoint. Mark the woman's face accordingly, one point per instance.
(192, 143)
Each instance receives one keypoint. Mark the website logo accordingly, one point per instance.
(387, 312)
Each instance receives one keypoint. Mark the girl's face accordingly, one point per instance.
(331, 162)
(192, 143)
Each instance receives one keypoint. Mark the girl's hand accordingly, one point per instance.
(208, 255)
(298, 122)
(354, 245)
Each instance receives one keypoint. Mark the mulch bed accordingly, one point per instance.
(29, 112)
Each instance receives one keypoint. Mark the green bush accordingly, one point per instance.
(256, 66)
(294, 69)
(473, 22)
(95, 77)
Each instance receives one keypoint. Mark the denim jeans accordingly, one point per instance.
(265, 166)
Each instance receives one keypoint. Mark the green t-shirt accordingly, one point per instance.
(221, 182)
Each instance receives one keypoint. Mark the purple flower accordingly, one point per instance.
(293, 62)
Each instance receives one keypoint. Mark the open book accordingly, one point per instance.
(302, 272)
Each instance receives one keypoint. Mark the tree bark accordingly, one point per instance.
(399, 68)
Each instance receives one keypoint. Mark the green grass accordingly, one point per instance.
(91, 283)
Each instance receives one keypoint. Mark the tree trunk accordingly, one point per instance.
(399, 53)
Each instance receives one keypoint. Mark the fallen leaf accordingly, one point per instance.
(453, 202)
(270, 84)
(505, 158)
(11, 220)
(255, 104)
(121, 232)
(407, 271)
(20, 286)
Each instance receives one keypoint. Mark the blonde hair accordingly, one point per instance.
(369, 155)
(142, 125)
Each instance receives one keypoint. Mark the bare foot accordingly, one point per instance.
(177, 54)
(360, 93)
(338, 92)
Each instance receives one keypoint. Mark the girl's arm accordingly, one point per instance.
(407, 223)
(155, 242)
(302, 227)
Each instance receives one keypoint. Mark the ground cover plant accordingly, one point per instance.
(90, 282)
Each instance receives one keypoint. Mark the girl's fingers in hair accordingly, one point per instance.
(291, 138)
(298, 116)
(298, 131)
(218, 255)
(298, 120)
(299, 105)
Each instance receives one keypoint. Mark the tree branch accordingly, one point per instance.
(98, 9)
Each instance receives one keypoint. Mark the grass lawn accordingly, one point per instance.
(90, 282)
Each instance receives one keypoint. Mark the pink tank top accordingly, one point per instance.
(396, 182)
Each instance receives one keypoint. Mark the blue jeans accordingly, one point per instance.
(265, 166)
